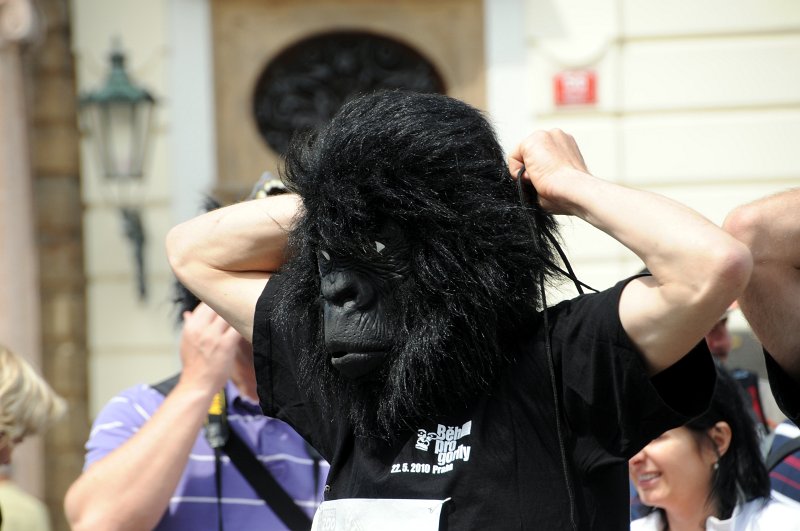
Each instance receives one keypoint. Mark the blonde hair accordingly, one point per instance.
(27, 403)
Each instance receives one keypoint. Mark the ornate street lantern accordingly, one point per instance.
(117, 118)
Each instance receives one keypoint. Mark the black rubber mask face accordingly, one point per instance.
(357, 295)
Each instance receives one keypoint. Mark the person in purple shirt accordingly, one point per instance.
(149, 466)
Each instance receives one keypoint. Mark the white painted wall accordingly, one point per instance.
(699, 101)
(192, 139)
(508, 89)
(168, 51)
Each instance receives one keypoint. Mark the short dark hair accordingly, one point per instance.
(741, 470)
(741, 475)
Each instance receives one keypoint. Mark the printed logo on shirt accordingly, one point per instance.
(329, 519)
(447, 448)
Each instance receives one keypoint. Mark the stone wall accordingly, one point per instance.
(58, 212)
(248, 34)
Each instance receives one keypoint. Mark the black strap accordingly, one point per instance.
(218, 484)
(264, 484)
(165, 386)
(256, 474)
(786, 449)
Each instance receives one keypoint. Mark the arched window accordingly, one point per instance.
(305, 85)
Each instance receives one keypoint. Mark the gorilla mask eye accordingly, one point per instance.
(323, 262)
(379, 247)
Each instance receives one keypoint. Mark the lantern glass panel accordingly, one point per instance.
(119, 131)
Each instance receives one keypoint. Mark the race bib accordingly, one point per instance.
(366, 514)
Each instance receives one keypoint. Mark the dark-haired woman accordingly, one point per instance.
(709, 473)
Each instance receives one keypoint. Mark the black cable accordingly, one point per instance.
(218, 481)
(533, 201)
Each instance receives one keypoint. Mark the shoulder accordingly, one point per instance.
(16, 499)
(592, 309)
(119, 419)
(127, 410)
(22, 510)
(769, 514)
(786, 430)
(263, 319)
(266, 300)
(606, 297)
(591, 321)
(141, 398)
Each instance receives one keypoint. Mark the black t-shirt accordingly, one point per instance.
(500, 460)
(785, 389)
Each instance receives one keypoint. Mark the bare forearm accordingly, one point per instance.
(770, 227)
(678, 245)
(131, 487)
(698, 269)
(247, 236)
(224, 257)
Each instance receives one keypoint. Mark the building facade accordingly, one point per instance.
(697, 101)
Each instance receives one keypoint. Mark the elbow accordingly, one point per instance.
(78, 518)
(177, 251)
(730, 269)
(84, 524)
(83, 513)
(104, 518)
(99, 522)
(745, 224)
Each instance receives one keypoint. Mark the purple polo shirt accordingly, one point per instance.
(194, 502)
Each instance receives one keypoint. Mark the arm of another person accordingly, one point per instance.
(130, 488)
(698, 269)
(770, 227)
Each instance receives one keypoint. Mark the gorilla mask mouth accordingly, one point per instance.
(354, 365)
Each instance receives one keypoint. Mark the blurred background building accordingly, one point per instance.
(699, 101)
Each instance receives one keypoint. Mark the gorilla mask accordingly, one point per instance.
(411, 266)
(357, 304)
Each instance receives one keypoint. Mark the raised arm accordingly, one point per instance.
(131, 486)
(770, 227)
(226, 256)
(698, 269)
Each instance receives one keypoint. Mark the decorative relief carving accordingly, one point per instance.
(308, 82)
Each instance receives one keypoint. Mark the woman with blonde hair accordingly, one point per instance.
(27, 403)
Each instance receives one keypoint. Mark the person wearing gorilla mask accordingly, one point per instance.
(396, 308)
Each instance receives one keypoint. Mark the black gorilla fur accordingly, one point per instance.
(431, 165)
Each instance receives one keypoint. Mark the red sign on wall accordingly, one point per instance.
(575, 87)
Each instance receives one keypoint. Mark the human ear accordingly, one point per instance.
(720, 434)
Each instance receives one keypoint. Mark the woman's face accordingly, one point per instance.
(674, 471)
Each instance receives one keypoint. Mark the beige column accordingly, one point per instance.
(19, 290)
